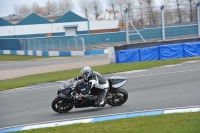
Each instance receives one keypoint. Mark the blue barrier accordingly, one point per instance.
(131, 55)
(171, 51)
(192, 49)
(65, 53)
(161, 52)
(149, 53)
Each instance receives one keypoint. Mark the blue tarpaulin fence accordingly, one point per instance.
(161, 52)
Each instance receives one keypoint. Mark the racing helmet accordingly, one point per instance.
(86, 72)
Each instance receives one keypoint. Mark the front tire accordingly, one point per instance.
(61, 106)
(119, 97)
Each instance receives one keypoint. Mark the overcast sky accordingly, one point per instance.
(7, 6)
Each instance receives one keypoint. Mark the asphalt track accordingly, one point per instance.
(49, 61)
(14, 69)
(163, 87)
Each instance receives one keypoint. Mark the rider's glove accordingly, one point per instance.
(76, 78)
(80, 95)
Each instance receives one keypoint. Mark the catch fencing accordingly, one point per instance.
(153, 23)
(53, 44)
(169, 22)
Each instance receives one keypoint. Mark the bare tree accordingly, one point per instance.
(48, 6)
(112, 4)
(141, 11)
(169, 17)
(16, 9)
(166, 3)
(37, 9)
(131, 8)
(23, 9)
(191, 2)
(51, 6)
(65, 5)
(85, 7)
(96, 5)
(121, 4)
(191, 18)
(151, 15)
(178, 4)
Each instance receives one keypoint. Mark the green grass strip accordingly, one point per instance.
(20, 57)
(168, 123)
(66, 74)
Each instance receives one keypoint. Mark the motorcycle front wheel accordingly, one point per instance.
(119, 97)
(61, 106)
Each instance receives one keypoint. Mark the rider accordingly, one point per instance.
(94, 80)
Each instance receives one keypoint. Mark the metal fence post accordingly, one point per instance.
(83, 42)
(127, 23)
(52, 43)
(198, 17)
(163, 22)
(34, 44)
(29, 44)
(46, 45)
(68, 43)
(60, 43)
(24, 44)
(21, 43)
(76, 44)
(39, 48)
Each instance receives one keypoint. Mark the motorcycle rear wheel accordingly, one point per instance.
(119, 97)
(61, 106)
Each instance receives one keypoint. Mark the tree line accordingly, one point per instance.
(141, 12)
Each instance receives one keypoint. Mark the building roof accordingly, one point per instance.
(4, 22)
(52, 16)
(56, 17)
(32, 19)
(15, 18)
(69, 17)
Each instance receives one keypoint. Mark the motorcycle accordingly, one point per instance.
(68, 95)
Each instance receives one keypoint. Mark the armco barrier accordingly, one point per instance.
(161, 52)
(53, 53)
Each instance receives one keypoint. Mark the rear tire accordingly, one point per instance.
(61, 106)
(119, 97)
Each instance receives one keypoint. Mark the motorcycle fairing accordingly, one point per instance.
(117, 81)
(81, 86)
(65, 91)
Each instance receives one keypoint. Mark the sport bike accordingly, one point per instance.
(68, 95)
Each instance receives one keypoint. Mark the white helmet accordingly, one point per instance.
(86, 72)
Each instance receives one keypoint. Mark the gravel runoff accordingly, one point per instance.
(14, 73)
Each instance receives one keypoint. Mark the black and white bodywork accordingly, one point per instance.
(95, 89)
(96, 81)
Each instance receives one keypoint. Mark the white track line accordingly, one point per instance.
(26, 89)
(89, 117)
(29, 88)
(164, 73)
